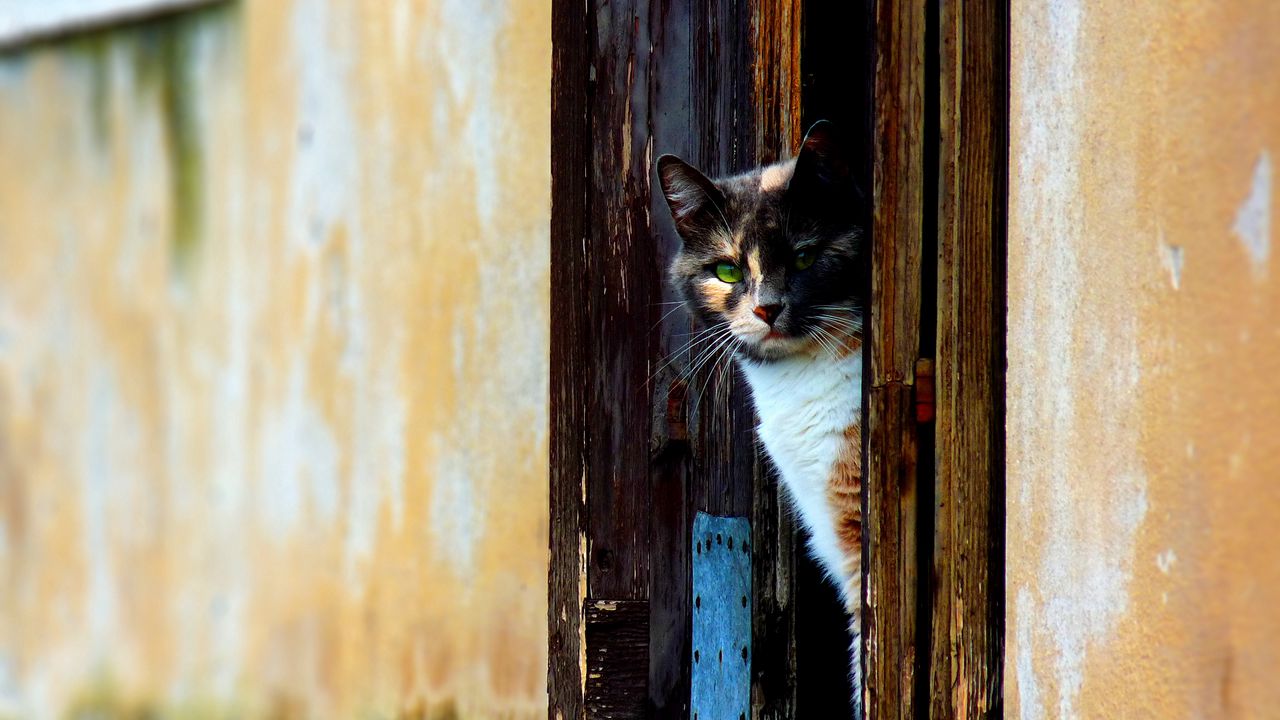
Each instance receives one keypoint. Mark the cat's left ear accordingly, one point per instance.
(823, 163)
(694, 200)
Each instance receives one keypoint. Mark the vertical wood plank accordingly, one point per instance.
(571, 147)
(968, 639)
(776, 90)
(622, 284)
(724, 140)
(899, 190)
(893, 341)
(622, 289)
(773, 622)
(671, 128)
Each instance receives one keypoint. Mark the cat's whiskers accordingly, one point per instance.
(852, 324)
(689, 375)
(842, 308)
(839, 343)
(721, 399)
(704, 335)
(708, 353)
(843, 323)
(829, 323)
(668, 314)
(723, 351)
(853, 319)
(818, 337)
(832, 350)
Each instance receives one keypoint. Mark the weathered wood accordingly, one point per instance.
(617, 634)
(776, 89)
(638, 444)
(891, 583)
(899, 191)
(889, 635)
(671, 517)
(968, 637)
(571, 148)
(623, 284)
(773, 623)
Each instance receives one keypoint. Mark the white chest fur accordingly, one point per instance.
(805, 405)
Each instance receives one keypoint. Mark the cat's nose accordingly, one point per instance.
(768, 313)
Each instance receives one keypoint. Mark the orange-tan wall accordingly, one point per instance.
(1144, 361)
(273, 346)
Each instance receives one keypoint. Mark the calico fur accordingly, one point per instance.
(794, 320)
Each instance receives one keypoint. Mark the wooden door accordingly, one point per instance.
(636, 449)
(643, 438)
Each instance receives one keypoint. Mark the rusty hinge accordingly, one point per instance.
(924, 394)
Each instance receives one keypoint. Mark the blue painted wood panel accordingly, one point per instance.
(721, 661)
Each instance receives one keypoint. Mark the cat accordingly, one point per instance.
(770, 266)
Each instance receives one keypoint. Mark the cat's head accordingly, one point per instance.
(771, 256)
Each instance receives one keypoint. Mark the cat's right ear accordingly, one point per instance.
(696, 203)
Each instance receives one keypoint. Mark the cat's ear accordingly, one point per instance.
(823, 164)
(696, 203)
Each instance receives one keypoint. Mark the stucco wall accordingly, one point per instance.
(273, 345)
(1144, 327)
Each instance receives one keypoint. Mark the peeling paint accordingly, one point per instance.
(1173, 257)
(1253, 219)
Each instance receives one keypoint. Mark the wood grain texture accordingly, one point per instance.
(776, 90)
(889, 635)
(640, 443)
(968, 639)
(571, 147)
(622, 283)
(773, 623)
(898, 191)
(617, 634)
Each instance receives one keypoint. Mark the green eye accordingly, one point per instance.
(728, 272)
(805, 258)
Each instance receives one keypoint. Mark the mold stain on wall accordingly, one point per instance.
(273, 345)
